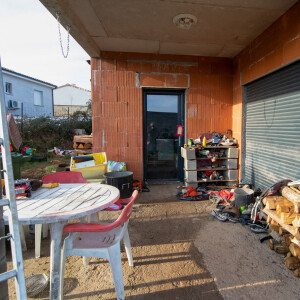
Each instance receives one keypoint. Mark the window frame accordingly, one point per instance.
(8, 84)
(42, 98)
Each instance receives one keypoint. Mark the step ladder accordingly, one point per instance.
(16, 250)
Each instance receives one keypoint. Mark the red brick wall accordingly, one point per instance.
(117, 101)
(213, 88)
(274, 48)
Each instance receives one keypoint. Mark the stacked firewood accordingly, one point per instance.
(83, 143)
(284, 218)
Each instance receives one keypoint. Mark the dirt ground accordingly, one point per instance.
(36, 170)
(179, 252)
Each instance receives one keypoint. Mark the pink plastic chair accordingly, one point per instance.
(123, 201)
(102, 241)
(64, 177)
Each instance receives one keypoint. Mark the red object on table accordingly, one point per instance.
(64, 177)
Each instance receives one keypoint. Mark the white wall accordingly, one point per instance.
(70, 95)
(23, 91)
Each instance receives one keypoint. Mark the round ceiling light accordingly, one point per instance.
(185, 21)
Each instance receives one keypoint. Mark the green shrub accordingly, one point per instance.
(45, 133)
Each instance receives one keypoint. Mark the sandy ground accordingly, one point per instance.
(179, 252)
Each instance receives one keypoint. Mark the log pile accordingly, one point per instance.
(284, 218)
(83, 144)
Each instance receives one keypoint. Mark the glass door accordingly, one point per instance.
(163, 111)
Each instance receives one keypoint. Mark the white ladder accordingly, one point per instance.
(16, 250)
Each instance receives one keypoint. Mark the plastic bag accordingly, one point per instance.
(116, 166)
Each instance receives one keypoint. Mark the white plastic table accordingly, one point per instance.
(58, 205)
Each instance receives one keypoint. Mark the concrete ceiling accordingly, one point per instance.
(224, 27)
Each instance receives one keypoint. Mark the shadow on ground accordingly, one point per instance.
(167, 265)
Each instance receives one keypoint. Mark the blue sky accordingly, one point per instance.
(30, 45)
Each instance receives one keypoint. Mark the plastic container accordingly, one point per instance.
(17, 161)
(243, 197)
(121, 180)
(92, 172)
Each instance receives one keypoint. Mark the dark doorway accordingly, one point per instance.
(163, 111)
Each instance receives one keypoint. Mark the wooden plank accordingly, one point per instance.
(287, 208)
(83, 139)
(295, 250)
(208, 169)
(208, 181)
(272, 201)
(217, 147)
(221, 186)
(296, 221)
(296, 241)
(287, 218)
(293, 230)
(291, 195)
(206, 158)
(282, 231)
(85, 151)
(212, 147)
(88, 146)
(295, 190)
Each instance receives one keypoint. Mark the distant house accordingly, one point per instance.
(69, 98)
(27, 96)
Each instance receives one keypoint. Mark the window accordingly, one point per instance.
(38, 98)
(8, 88)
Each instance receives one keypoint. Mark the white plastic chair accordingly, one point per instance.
(102, 241)
(42, 230)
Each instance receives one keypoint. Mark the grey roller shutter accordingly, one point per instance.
(272, 128)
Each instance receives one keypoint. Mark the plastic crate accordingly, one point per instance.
(93, 172)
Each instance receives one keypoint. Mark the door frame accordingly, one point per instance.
(181, 118)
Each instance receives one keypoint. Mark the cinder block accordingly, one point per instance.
(188, 153)
(190, 164)
(194, 184)
(191, 175)
(233, 152)
(231, 163)
(231, 174)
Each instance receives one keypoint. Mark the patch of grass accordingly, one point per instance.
(36, 170)
(50, 169)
